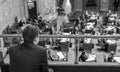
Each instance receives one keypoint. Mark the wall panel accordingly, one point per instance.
(9, 10)
(78, 5)
(104, 5)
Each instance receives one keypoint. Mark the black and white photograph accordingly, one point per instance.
(59, 35)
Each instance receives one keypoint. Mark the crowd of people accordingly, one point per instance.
(31, 54)
(80, 23)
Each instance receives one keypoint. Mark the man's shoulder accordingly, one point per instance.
(13, 48)
(41, 48)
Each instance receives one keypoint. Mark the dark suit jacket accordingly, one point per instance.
(28, 58)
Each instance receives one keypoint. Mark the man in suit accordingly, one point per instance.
(28, 57)
(83, 57)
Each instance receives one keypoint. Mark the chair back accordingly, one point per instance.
(112, 47)
(87, 47)
(64, 46)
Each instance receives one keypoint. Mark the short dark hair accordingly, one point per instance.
(29, 33)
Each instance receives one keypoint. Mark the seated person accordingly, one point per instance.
(87, 15)
(47, 30)
(116, 31)
(102, 43)
(112, 17)
(89, 30)
(90, 24)
(111, 57)
(94, 17)
(110, 29)
(83, 57)
(20, 24)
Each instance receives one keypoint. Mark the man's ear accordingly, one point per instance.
(36, 40)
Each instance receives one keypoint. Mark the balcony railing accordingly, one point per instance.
(77, 37)
(66, 36)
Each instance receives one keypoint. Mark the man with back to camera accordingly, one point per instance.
(28, 57)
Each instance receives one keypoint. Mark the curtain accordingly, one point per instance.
(67, 7)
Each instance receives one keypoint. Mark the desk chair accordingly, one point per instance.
(112, 47)
(64, 46)
(41, 43)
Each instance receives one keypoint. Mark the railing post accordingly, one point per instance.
(77, 51)
(1, 44)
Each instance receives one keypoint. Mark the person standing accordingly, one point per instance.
(61, 19)
(28, 56)
(67, 7)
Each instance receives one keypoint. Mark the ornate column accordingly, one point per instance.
(67, 6)
(25, 9)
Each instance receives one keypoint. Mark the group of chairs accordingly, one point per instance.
(89, 46)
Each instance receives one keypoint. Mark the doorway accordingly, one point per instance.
(91, 5)
(32, 9)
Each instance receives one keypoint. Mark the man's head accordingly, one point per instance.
(30, 34)
(112, 52)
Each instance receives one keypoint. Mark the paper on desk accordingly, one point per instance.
(117, 59)
(60, 54)
(91, 58)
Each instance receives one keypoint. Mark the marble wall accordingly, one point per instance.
(9, 10)
(18, 8)
(109, 4)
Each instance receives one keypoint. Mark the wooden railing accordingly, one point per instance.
(68, 36)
